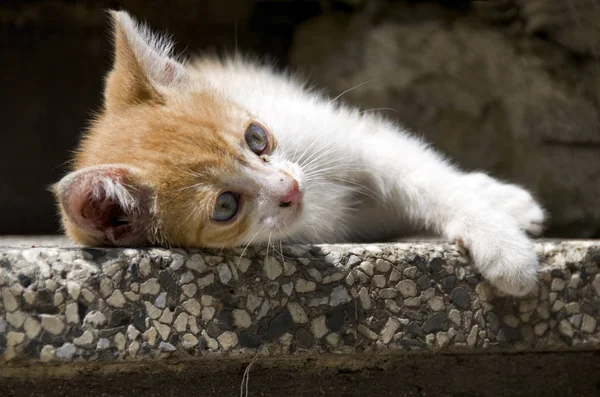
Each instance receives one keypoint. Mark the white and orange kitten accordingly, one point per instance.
(226, 153)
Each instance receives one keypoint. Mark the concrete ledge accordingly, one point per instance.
(105, 306)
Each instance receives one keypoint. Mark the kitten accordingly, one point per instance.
(227, 153)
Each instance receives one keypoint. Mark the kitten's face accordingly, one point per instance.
(233, 191)
(213, 171)
(170, 163)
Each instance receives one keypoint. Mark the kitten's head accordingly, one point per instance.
(171, 161)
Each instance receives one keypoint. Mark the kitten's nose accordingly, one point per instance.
(292, 197)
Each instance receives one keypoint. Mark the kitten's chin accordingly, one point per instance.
(290, 223)
(282, 225)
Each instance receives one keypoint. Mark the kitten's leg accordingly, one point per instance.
(438, 196)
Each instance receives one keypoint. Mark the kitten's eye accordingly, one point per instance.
(256, 138)
(226, 207)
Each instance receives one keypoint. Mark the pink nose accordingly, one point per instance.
(292, 197)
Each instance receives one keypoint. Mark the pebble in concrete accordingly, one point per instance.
(52, 324)
(318, 327)
(95, 318)
(32, 327)
(241, 318)
(272, 268)
(66, 351)
(339, 295)
(116, 299)
(86, 338)
(407, 288)
(304, 286)
(297, 312)
(10, 303)
(228, 340)
(192, 306)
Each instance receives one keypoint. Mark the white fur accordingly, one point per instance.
(365, 178)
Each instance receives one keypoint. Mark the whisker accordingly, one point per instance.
(268, 245)
(317, 155)
(195, 185)
(287, 234)
(316, 234)
(314, 163)
(332, 171)
(308, 147)
(350, 89)
(376, 109)
(247, 245)
(281, 246)
(296, 151)
(323, 171)
(331, 162)
(276, 251)
(189, 172)
(358, 189)
(366, 188)
(315, 140)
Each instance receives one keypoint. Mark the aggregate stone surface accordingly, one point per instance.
(108, 304)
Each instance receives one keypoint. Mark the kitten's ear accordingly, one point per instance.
(105, 204)
(143, 65)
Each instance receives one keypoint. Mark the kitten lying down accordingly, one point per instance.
(227, 153)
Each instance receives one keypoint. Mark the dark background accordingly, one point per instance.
(54, 55)
(498, 85)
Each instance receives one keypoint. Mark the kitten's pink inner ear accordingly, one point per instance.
(100, 213)
(99, 203)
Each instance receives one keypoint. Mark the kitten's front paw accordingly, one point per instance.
(502, 253)
(512, 199)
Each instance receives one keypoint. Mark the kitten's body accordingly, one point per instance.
(171, 140)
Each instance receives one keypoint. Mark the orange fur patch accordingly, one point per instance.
(176, 149)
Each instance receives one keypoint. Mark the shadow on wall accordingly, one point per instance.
(492, 83)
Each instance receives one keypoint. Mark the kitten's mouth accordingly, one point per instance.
(296, 210)
(291, 217)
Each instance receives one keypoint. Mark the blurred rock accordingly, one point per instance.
(491, 96)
